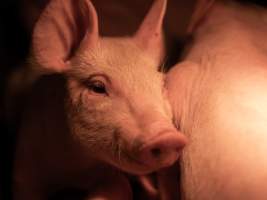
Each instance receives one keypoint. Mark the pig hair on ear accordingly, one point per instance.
(63, 27)
(66, 26)
(149, 35)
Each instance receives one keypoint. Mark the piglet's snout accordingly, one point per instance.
(162, 150)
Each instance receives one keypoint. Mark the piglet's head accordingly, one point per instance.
(116, 105)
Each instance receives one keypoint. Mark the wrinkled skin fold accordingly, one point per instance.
(219, 100)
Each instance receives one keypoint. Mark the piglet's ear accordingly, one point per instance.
(201, 9)
(149, 36)
(60, 30)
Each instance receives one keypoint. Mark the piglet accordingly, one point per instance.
(100, 109)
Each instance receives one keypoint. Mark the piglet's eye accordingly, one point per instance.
(97, 87)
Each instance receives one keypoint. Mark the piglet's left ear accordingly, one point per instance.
(149, 36)
(64, 27)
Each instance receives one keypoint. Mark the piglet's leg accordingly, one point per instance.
(168, 183)
(161, 185)
(117, 188)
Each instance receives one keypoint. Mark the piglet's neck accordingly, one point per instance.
(229, 26)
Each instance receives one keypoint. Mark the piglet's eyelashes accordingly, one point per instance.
(97, 85)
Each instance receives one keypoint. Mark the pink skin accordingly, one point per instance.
(105, 109)
(218, 95)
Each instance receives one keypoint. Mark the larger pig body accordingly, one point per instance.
(219, 99)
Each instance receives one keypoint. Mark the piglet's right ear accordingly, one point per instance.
(60, 30)
(149, 35)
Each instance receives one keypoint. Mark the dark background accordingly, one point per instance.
(14, 48)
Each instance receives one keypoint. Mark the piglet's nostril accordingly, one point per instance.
(162, 150)
(156, 152)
